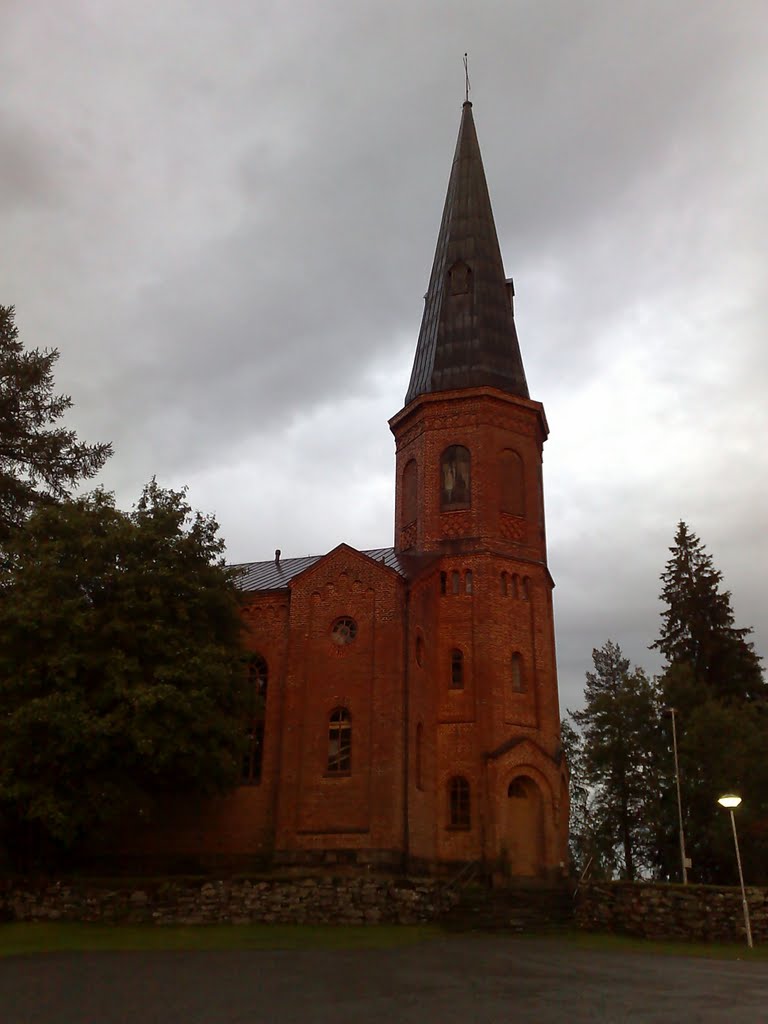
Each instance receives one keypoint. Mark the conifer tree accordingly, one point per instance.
(698, 625)
(620, 730)
(39, 459)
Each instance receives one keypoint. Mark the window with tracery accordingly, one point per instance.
(344, 631)
(458, 802)
(455, 482)
(339, 741)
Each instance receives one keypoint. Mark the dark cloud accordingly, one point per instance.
(225, 219)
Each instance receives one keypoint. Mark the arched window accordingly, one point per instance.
(455, 581)
(518, 678)
(257, 678)
(515, 585)
(457, 669)
(410, 493)
(419, 755)
(468, 581)
(512, 483)
(455, 482)
(458, 802)
(443, 582)
(526, 589)
(339, 741)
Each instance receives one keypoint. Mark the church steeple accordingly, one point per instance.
(467, 337)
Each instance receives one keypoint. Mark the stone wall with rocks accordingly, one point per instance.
(696, 913)
(297, 901)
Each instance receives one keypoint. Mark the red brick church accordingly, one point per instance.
(405, 704)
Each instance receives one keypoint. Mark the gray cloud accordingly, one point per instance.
(225, 220)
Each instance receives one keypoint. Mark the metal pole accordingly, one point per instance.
(679, 801)
(741, 880)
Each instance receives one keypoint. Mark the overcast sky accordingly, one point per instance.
(224, 217)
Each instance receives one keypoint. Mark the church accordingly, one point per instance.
(404, 702)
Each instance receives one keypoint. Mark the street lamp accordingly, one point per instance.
(729, 801)
(683, 859)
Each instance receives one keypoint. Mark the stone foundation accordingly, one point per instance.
(694, 913)
(296, 901)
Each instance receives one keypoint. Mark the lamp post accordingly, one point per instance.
(729, 801)
(683, 858)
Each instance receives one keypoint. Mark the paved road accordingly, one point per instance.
(471, 980)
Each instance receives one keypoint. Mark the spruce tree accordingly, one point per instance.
(40, 461)
(620, 729)
(698, 625)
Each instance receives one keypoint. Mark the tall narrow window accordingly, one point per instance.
(410, 492)
(504, 584)
(518, 682)
(339, 741)
(455, 483)
(455, 581)
(443, 582)
(457, 669)
(526, 589)
(256, 699)
(468, 581)
(458, 800)
(419, 755)
(512, 483)
(515, 585)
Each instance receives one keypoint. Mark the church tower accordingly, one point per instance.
(487, 779)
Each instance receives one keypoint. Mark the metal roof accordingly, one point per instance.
(272, 575)
(468, 337)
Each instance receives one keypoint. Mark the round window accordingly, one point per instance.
(344, 630)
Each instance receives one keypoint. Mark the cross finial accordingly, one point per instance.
(466, 80)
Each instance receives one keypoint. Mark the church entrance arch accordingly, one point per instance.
(524, 827)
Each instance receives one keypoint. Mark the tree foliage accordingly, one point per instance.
(619, 761)
(120, 665)
(39, 459)
(698, 625)
(714, 679)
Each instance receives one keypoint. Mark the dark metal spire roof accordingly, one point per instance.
(467, 336)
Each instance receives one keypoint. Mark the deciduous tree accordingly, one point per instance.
(120, 665)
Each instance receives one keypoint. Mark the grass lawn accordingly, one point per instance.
(49, 938)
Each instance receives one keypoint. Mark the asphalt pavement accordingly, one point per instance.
(457, 980)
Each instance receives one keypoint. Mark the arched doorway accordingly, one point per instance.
(524, 838)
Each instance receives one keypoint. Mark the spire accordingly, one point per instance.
(467, 337)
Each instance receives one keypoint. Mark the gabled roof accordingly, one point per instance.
(467, 337)
(272, 575)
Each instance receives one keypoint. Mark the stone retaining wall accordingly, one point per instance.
(300, 901)
(697, 913)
